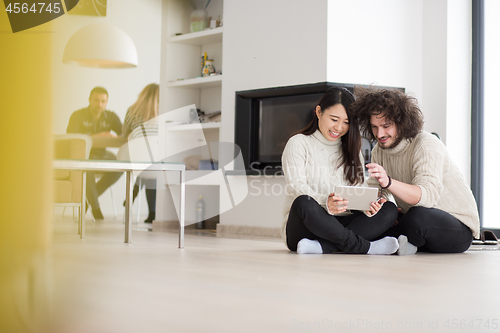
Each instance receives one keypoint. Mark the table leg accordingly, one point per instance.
(81, 224)
(128, 205)
(182, 212)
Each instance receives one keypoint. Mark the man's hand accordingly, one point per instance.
(104, 135)
(375, 207)
(378, 172)
(409, 193)
(336, 205)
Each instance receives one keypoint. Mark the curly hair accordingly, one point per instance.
(395, 105)
(351, 141)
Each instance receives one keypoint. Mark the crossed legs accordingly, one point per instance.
(434, 230)
(349, 234)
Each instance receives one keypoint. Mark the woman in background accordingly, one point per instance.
(323, 155)
(138, 123)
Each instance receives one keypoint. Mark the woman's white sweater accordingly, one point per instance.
(311, 167)
(425, 162)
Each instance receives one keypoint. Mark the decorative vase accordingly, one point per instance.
(198, 20)
(209, 67)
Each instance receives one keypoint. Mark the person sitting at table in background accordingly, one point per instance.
(139, 122)
(96, 121)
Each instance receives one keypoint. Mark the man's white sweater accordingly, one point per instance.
(424, 161)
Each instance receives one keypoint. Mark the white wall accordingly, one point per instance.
(376, 42)
(360, 41)
(268, 44)
(421, 45)
(433, 99)
(458, 83)
(141, 20)
(446, 98)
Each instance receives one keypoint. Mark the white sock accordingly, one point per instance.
(307, 246)
(405, 247)
(386, 245)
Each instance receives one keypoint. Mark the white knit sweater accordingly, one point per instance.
(425, 162)
(311, 167)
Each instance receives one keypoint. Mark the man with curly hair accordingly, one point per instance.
(438, 212)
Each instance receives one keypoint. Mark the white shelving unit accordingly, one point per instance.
(188, 127)
(199, 38)
(182, 85)
(182, 71)
(197, 83)
(195, 139)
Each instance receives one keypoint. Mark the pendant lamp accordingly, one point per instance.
(100, 45)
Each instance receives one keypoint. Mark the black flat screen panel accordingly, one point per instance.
(280, 118)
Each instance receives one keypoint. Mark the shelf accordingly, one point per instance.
(190, 127)
(270, 171)
(199, 38)
(197, 82)
(204, 177)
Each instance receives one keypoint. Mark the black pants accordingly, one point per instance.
(95, 189)
(151, 199)
(349, 234)
(150, 192)
(433, 230)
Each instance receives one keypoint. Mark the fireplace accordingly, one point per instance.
(266, 118)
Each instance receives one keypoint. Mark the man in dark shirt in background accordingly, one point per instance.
(96, 121)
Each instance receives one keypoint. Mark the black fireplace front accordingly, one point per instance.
(266, 118)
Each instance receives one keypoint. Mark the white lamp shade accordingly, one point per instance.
(100, 45)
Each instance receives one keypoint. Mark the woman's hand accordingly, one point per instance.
(378, 172)
(375, 207)
(336, 205)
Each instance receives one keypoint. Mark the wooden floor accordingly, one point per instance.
(220, 285)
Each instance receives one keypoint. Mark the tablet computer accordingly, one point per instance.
(360, 198)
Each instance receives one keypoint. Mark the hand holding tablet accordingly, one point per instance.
(336, 204)
(358, 198)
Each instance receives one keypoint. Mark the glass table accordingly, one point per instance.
(128, 168)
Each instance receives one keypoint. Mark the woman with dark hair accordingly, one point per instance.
(323, 155)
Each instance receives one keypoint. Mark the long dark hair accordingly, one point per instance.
(351, 141)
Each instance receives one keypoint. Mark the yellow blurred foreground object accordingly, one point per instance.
(25, 177)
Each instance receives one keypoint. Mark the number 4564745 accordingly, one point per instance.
(36, 8)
